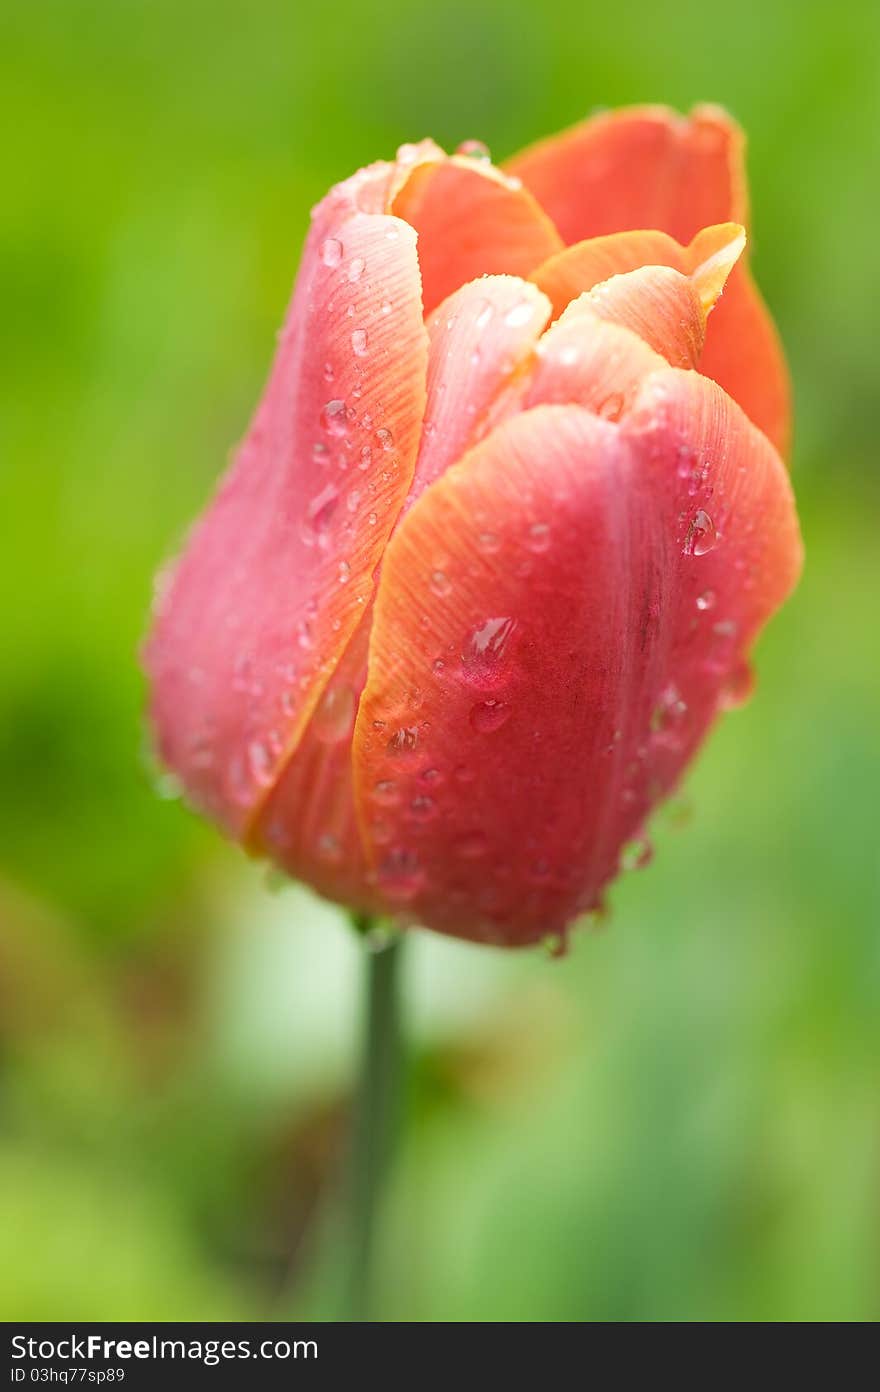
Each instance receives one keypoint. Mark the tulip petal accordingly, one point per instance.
(478, 339)
(275, 576)
(308, 825)
(648, 167)
(639, 167)
(709, 258)
(588, 361)
(661, 306)
(472, 220)
(527, 705)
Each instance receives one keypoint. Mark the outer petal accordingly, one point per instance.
(275, 576)
(472, 220)
(479, 338)
(525, 710)
(649, 167)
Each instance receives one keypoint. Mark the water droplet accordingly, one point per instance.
(485, 648)
(440, 583)
(489, 541)
(404, 740)
(636, 854)
(538, 537)
(385, 438)
(333, 720)
(431, 775)
(385, 791)
(484, 315)
(372, 518)
(344, 572)
(556, 945)
(331, 252)
(385, 307)
(328, 372)
(329, 847)
(333, 418)
(519, 315)
(669, 715)
(706, 600)
(488, 716)
(738, 688)
(356, 268)
(359, 342)
(471, 846)
(612, 407)
(322, 508)
(401, 875)
(474, 149)
(423, 807)
(260, 762)
(701, 535)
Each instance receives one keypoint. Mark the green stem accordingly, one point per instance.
(375, 1115)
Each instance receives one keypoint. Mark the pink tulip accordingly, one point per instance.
(501, 535)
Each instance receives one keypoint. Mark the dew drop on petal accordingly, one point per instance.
(359, 342)
(403, 740)
(636, 854)
(474, 149)
(331, 252)
(471, 846)
(485, 648)
(333, 720)
(519, 315)
(322, 508)
(701, 535)
(333, 418)
(706, 600)
(356, 268)
(738, 688)
(488, 716)
(400, 875)
(260, 762)
(538, 537)
(440, 583)
(329, 847)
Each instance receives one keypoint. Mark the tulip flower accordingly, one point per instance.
(501, 535)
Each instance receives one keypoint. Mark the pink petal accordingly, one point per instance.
(275, 576)
(516, 740)
(478, 339)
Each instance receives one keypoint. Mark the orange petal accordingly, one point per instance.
(528, 703)
(472, 220)
(275, 576)
(649, 167)
(639, 167)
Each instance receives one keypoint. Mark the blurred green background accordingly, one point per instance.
(681, 1120)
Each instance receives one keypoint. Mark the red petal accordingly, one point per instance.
(472, 220)
(275, 576)
(650, 168)
(527, 704)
